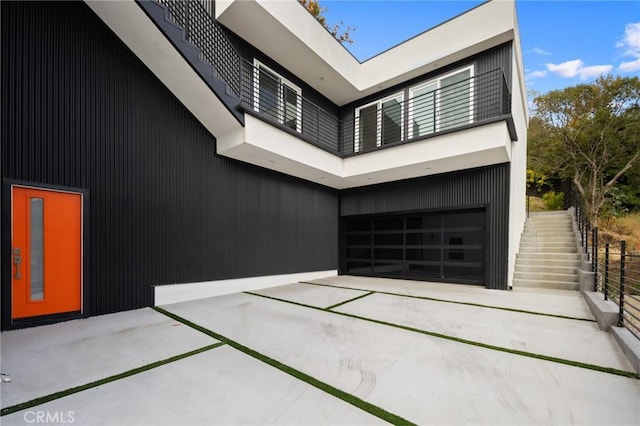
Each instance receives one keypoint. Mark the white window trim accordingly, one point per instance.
(281, 81)
(398, 96)
(438, 82)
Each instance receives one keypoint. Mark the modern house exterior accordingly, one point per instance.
(159, 151)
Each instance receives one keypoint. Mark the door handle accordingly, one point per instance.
(17, 259)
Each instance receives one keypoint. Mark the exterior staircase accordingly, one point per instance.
(548, 256)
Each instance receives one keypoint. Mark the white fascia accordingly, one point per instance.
(289, 35)
(267, 146)
(518, 69)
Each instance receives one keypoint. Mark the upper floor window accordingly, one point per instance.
(277, 97)
(441, 104)
(379, 123)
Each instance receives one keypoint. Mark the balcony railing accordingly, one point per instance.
(204, 32)
(465, 103)
(392, 121)
(265, 94)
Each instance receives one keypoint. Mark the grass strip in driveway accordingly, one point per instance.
(434, 299)
(346, 397)
(349, 300)
(609, 370)
(61, 394)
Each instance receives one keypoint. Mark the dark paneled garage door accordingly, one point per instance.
(434, 246)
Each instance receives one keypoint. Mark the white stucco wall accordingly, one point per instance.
(517, 196)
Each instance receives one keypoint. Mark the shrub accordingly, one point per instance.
(553, 200)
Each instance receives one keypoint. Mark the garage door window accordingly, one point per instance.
(441, 246)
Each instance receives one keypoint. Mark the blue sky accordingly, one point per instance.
(564, 43)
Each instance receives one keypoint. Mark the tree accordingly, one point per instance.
(593, 135)
(545, 155)
(314, 8)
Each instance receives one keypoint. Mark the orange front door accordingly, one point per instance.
(46, 252)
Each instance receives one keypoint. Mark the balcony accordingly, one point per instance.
(468, 103)
(466, 123)
(265, 96)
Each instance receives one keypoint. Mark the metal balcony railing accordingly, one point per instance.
(265, 94)
(268, 96)
(467, 102)
(204, 32)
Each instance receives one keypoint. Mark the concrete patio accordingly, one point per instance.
(341, 350)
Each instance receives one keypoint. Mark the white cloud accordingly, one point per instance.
(594, 71)
(539, 51)
(630, 66)
(630, 45)
(631, 40)
(566, 69)
(537, 74)
(576, 68)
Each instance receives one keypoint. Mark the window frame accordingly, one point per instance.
(281, 101)
(437, 104)
(379, 102)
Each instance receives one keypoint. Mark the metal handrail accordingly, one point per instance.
(469, 101)
(616, 271)
(466, 102)
(196, 17)
(273, 99)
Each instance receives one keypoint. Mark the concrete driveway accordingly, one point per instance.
(341, 350)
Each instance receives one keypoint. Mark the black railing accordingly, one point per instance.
(381, 124)
(617, 272)
(204, 32)
(394, 120)
(618, 279)
(265, 95)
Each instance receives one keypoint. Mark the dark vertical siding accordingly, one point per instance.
(488, 186)
(498, 57)
(80, 110)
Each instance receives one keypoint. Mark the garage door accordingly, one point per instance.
(435, 246)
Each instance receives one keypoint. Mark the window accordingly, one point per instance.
(379, 123)
(441, 104)
(277, 98)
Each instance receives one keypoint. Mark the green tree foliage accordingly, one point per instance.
(591, 134)
(545, 154)
(553, 200)
(315, 9)
(537, 182)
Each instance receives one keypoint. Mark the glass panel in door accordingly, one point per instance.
(36, 249)
(455, 100)
(268, 93)
(391, 121)
(290, 107)
(367, 128)
(423, 112)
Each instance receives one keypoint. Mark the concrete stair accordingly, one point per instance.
(548, 256)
